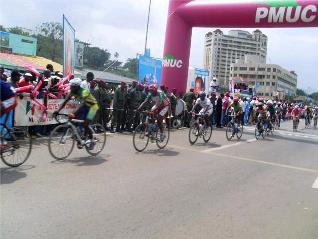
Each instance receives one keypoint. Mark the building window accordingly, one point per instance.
(274, 69)
(235, 68)
(261, 69)
(274, 77)
(268, 76)
(268, 69)
(243, 68)
(252, 69)
(261, 83)
(266, 94)
(268, 83)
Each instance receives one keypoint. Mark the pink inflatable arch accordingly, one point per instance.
(185, 14)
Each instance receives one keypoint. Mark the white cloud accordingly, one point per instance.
(119, 25)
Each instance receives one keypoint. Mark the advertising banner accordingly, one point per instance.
(28, 113)
(79, 54)
(68, 47)
(200, 80)
(149, 70)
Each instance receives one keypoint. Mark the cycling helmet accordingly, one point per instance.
(202, 95)
(75, 82)
(269, 102)
(236, 99)
(153, 88)
(259, 104)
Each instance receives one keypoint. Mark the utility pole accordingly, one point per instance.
(147, 26)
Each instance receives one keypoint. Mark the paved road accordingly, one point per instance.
(247, 189)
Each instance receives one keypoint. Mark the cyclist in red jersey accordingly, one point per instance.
(161, 105)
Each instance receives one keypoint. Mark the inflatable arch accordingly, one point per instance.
(185, 14)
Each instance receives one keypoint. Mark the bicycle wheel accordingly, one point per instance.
(257, 133)
(162, 139)
(207, 133)
(16, 146)
(99, 140)
(194, 133)
(239, 132)
(140, 137)
(229, 131)
(61, 142)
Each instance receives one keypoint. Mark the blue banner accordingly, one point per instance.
(149, 69)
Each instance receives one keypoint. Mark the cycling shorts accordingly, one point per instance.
(87, 113)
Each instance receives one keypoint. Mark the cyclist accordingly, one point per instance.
(295, 113)
(261, 112)
(279, 112)
(206, 107)
(237, 107)
(86, 111)
(271, 111)
(315, 115)
(7, 104)
(160, 108)
(308, 115)
(8, 98)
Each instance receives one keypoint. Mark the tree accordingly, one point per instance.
(314, 96)
(300, 92)
(116, 55)
(18, 30)
(50, 41)
(131, 65)
(2, 28)
(96, 57)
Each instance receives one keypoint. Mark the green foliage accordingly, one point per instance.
(95, 57)
(2, 28)
(50, 44)
(300, 92)
(18, 30)
(131, 65)
(314, 96)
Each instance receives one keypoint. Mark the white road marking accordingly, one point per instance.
(226, 156)
(315, 184)
(222, 147)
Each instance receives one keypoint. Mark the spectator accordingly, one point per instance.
(218, 111)
(26, 80)
(50, 68)
(86, 84)
(15, 78)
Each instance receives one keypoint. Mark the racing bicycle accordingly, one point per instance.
(148, 130)
(63, 137)
(15, 144)
(234, 127)
(199, 128)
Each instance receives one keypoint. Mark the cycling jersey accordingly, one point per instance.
(85, 96)
(8, 97)
(237, 107)
(90, 107)
(206, 106)
(161, 103)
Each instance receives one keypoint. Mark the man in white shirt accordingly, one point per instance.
(86, 84)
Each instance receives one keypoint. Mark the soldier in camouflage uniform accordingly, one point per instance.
(120, 100)
(133, 102)
(173, 101)
(189, 98)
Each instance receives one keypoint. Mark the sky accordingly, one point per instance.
(120, 26)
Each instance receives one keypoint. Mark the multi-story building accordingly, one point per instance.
(268, 80)
(222, 50)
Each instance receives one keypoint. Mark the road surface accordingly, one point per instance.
(241, 189)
